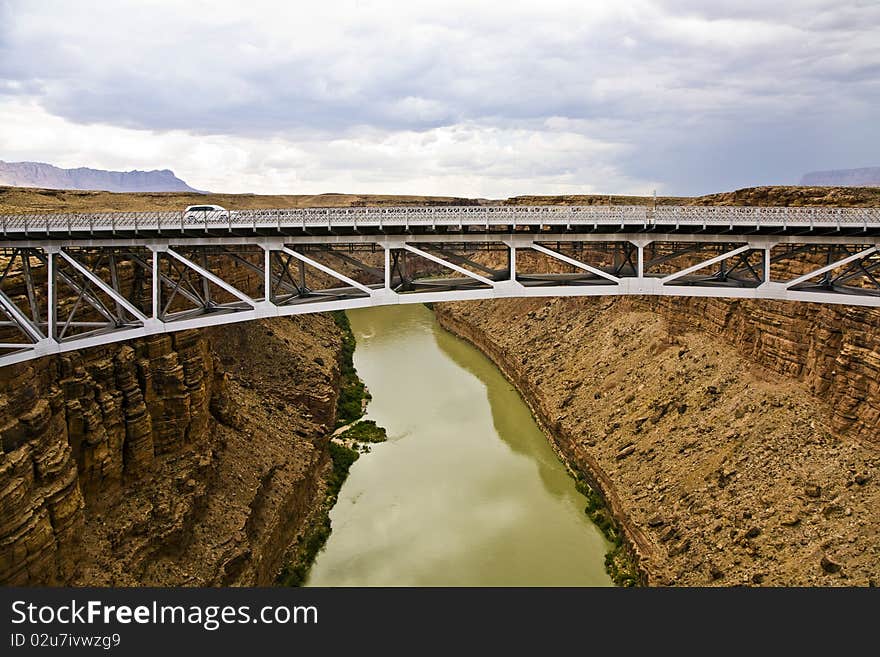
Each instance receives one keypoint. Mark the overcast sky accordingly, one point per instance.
(467, 98)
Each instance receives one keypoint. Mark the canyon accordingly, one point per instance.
(733, 442)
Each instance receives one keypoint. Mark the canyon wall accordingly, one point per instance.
(833, 350)
(182, 459)
(734, 442)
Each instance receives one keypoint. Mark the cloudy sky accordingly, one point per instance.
(471, 98)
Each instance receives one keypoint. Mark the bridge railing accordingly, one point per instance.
(128, 222)
(819, 217)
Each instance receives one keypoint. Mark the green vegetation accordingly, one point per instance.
(365, 431)
(349, 408)
(343, 458)
(352, 391)
(618, 561)
(294, 573)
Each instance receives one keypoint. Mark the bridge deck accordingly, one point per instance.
(402, 220)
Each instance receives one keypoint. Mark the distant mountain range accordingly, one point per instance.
(38, 174)
(866, 177)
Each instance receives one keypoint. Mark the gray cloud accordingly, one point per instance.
(695, 96)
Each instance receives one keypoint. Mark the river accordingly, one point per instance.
(466, 491)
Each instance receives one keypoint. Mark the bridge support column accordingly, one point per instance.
(767, 264)
(51, 294)
(511, 260)
(157, 292)
(267, 274)
(387, 268)
(640, 245)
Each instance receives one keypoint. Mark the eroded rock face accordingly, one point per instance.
(147, 463)
(41, 504)
(833, 350)
(728, 438)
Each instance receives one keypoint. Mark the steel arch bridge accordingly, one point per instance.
(72, 281)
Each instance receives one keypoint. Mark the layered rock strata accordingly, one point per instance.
(189, 458)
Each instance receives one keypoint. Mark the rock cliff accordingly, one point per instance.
(179, 459)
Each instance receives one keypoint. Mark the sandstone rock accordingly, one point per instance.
(680, 547)
(791, 520)
(715, 572)
(78, 429)
(829, 565)
(669, 534)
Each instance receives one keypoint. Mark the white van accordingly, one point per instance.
(200, 214)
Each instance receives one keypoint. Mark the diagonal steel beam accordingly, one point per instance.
(375, 271)
(327, 270)
(8, 266)
(183, 273)
(82, 291)
(462, 260)
(164, 278)
(22, 320)
(857, 270)
(574, 263)
(109, 291)
(792, 252)
(659, 260)
(216, 280)
(705, 263)
(291, 285)
(743, 265)
(29, 283)
(440, 261)
(833, 265)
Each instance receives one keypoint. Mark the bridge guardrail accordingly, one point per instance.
(72, 223)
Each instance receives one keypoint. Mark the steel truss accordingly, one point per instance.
(58, 295)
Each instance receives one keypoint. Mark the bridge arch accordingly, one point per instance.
(75, 281)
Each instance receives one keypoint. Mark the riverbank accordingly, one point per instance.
(343, 448)
(716, 471)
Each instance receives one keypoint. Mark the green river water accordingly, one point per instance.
(467, 491)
